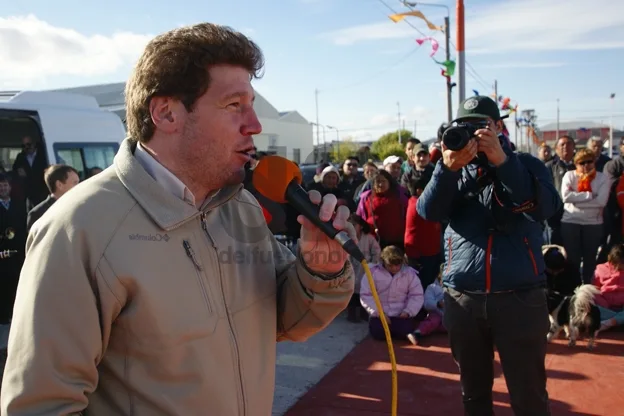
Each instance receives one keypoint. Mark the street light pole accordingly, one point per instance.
(611, 127)
(317, 143)
(337, 139)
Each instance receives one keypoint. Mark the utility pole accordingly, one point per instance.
(415, 127)
(461, 58)
(399, 114)
(449, 87)
(337, 139)
(557, 137)
(318, 141)
(324, 144)
(496, 91)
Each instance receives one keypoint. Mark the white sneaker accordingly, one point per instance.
(414, 337)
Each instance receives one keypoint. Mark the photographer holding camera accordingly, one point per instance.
(494, 201)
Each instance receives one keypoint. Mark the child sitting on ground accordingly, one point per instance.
(434, 304)
(400, 294)
(370, 248)
(609, 278)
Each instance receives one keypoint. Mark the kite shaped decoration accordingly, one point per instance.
(434, 44)
(400, 16)
(448, 69)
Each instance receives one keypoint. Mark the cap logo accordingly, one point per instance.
(471, 104)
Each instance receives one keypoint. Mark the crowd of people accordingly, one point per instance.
(453, 242)
(384, 200)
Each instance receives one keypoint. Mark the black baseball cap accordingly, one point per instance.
(478, 107)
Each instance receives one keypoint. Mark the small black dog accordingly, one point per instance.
(577, 315)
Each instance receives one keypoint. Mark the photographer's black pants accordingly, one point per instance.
(516, 324)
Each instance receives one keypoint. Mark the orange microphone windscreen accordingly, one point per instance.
(272, 176)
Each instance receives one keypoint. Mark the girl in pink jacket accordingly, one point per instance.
(400, 294)
(609, 278)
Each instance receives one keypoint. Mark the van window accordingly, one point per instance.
(85, 156)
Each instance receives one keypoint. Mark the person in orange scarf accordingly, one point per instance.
(585, 192)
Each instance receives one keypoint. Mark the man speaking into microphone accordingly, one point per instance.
(123, 306)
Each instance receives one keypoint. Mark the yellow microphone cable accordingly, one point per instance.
(384, 323)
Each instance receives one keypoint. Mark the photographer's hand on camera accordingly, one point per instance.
(489, 144)
(456, 159)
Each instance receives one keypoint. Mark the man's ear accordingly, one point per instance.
(166, 113)
(499, 126)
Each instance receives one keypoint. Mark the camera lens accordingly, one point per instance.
(456, 138)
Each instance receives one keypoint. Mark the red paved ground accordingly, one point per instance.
(581, 382)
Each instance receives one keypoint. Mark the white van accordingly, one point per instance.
(73, 128)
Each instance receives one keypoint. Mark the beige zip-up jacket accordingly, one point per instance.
(133, 302)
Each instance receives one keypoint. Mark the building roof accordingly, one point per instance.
(573, 125)
(111, 96)
(293, 117)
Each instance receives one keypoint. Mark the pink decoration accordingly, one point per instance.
(434, 44)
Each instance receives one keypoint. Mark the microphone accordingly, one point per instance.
(279, 180)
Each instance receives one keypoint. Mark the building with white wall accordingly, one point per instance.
(287, 134)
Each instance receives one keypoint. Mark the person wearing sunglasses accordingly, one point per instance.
(584, 191)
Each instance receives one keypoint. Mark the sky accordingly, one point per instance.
(365, 67)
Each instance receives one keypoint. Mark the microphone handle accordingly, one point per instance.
(299, 199)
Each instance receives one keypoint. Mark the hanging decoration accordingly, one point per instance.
(448, 69)
(434, 44)
(415, 13)
(506, 105)
(448, 65)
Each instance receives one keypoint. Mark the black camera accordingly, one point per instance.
(457, 137)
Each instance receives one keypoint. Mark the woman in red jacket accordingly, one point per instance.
(384, 208)
(423, 239)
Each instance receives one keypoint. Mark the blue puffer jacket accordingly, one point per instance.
(493, 239)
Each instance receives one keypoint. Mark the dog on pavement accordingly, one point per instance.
(577, 315)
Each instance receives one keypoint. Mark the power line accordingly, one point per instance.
(374, 75)
(390, 125)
